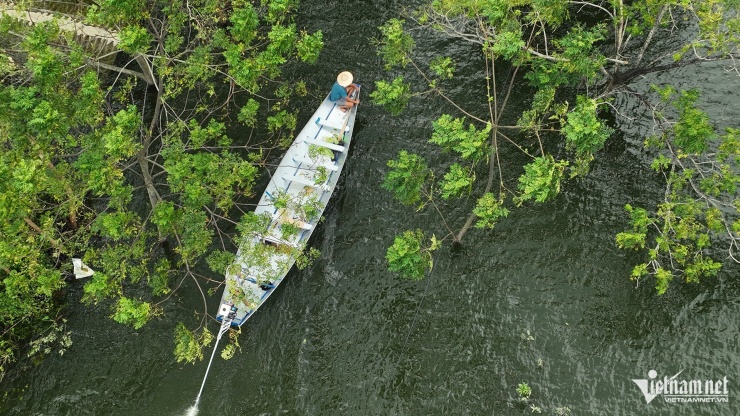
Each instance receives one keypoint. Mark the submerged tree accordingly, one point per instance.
(575, 68)
(137, 180)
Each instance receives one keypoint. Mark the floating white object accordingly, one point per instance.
(81, 270)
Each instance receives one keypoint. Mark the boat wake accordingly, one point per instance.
(192, 410)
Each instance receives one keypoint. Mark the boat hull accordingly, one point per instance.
(289, 210)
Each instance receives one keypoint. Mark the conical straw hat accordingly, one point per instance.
(344, 79)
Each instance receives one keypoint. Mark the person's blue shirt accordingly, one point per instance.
(337, 92)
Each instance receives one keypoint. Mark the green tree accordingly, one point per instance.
(82, 148)
(575, 68)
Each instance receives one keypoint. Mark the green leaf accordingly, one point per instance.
(443, 66)
(456, 181)
(393, 96)
(627, 240)
(523, 390)
(277, 10)
(165, 216)
(541, 179)
(282, 38)
(507, 44)
(407, 177)
(134, 39)
(451, 134)
(196, 236)
(662, 280)
(660, 163)
(310, 46)
(99, 287)
(584, 132)
(639, 271)
(408, 257)
(578, 48)
(701, 268)
(395, 46)
(219, 260)
(282, 120)
(244, 23)
(489, 210)
(729, 148)
(132, 312)
(111, 13)
(117, 225)
(189, 345)
(693, 130)
(159, 280)
(77, 155)
(248, 113)
(228, 352)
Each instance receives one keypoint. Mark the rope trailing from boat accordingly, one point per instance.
(225, 325)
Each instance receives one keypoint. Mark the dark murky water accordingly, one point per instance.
(544, 299)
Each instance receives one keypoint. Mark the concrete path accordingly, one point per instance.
(93, 33)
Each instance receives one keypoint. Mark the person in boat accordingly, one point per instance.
(342, 91)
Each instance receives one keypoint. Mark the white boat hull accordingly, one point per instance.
(289, 210)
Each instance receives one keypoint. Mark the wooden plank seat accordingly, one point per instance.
(336, 125)
(332, 146)
(328, 166)
(285, 217)
(275, 241)
(304, 181)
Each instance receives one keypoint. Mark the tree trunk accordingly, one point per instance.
(38, 229)
(141, 156)
(494, 149)
(154, 196)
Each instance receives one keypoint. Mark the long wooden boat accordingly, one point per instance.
(274, 236)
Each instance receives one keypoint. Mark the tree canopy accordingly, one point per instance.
(83, 147)
(577, 57)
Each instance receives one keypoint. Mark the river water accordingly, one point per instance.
(544, 299)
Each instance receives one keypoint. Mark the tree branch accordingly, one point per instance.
(650, 35)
